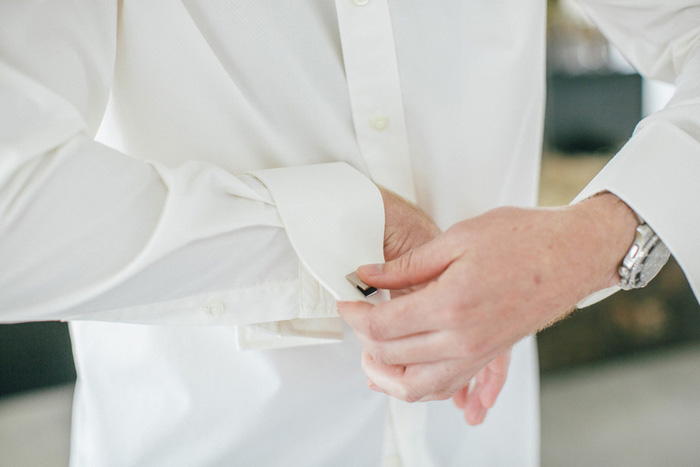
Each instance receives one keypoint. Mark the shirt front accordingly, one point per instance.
(230, 192)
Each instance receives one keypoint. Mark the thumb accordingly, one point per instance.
(414, 267)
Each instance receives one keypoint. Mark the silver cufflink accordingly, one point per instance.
(366, 290)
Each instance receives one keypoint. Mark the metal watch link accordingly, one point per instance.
(644, 260)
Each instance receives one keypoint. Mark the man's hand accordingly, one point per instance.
(407, 228)
(489, 282)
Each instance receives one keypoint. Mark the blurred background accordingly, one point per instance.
(620, 380)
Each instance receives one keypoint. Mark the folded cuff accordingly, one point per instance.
(334, 218)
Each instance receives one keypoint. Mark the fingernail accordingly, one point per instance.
(371, 269)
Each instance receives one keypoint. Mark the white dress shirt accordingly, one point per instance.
(232, 189)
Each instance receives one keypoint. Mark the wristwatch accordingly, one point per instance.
(644, 260)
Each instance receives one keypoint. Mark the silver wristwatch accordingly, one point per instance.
(644, 260)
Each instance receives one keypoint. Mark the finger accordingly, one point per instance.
(380, 376)
(437, 380)
(420, 382)
(404, 316)
(357, 315)
(473, 409)
(353, 309)
(489, 382)
(486, 387)
(475, 414)
(425, 347)
(495, 379)
(415, 267)
(388, 378)
(460, 397)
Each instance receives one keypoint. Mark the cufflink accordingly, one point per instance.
(361, 286)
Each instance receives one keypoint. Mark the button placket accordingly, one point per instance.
(371, 70)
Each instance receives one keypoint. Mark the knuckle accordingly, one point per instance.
(474, 348)
(374, 329)
(467, 300)
(444, 394)
(386, 355)
(407, 394)
(378, 353)
(466, 348)
(365, 365)
(407, 261)
(401, 391)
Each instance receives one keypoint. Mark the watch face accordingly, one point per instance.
(652, 264)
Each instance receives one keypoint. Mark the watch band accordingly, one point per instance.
(644, 260)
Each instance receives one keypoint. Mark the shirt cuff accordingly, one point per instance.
(656, 174)
(334, 218)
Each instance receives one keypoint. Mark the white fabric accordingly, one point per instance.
(163, 250)
(657, 171)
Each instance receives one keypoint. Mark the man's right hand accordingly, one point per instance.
(406, 226)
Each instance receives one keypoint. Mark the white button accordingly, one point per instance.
(380, 122)
(360, 2)
(393, 461)
(215, 308)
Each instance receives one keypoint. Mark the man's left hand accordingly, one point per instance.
(407, 228)
(488, 282)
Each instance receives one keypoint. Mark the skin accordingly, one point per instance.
(407, 228)
(477, 289)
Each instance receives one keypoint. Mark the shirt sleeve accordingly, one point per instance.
(88, 233)
(657, 173)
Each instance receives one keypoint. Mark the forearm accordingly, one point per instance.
(132, 235)
(89, 233)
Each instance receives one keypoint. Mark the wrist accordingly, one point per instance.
(610, 227)
(406, 226)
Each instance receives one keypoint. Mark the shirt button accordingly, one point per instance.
(215, 308)
(360, 2)
(393, 461)
(380, 122)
